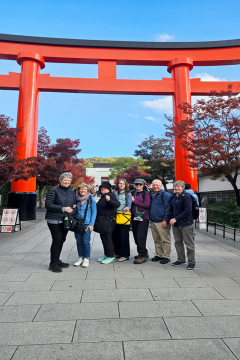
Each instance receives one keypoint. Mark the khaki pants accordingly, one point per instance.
(184, 235)
(162, 239)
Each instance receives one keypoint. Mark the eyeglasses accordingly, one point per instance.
(138, 184)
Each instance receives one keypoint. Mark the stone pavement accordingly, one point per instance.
(119, 311)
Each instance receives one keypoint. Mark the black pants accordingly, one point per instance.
(58, 237)
(107, 244)
(121, 240)
(140, 230)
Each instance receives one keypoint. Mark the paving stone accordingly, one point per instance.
(177, 349)
(29, 333)
(4, 269)
(64, 275)
(18, 313)
(231, 294)
(146, 283)
(84, 284)
(115, 274)
(157, 309)
(205, 282)
(4, 296)
(45, 297)
(185, 293)
(29, 269)
(26, 286)
(77, 311)
(207, 327)
(88, 351)
(6, 352)
(14, 277)
(234, 345)
(116, 295)
(120, 330)
(218, 307)
(178, 273)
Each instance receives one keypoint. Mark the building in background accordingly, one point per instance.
(100, 172)
(216, 190)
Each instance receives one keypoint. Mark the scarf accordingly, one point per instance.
(82, 199)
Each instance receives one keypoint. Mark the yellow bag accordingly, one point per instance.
(123, 218)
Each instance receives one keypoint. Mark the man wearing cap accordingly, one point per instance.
(160, 217)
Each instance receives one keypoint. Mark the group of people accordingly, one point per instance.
(111, 217)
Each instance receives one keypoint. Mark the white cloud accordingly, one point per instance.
(207, 77)
(133, 115)
(152, 118)
(161, 105)
(164, 37)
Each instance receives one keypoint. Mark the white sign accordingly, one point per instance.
(202, 218)
(9, 217)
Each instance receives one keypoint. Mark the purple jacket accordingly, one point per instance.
(142, 205)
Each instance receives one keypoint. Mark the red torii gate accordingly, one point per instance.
(32, 53)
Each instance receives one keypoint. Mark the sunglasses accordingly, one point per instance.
(138, 184)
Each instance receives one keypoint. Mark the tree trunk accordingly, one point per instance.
(234, 185)
(40, 197)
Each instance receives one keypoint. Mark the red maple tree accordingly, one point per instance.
(51, 161)
(210, 132)
(8, 154)
(131, 174)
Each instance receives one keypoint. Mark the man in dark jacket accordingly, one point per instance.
(160, 216)
(182, 222)
(60, 200)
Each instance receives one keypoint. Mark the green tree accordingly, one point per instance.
(122, 163)
(159, 156)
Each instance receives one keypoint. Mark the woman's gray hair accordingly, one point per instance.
(179, 183)
(65, 175)
(82, 186)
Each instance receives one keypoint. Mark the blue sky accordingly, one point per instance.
(113, 125)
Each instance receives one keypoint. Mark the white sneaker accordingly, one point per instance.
(85, 263)
(79, 262)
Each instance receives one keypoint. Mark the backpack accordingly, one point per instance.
(195, 208)
(143, 193)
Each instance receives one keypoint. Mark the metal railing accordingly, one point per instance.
(224, 216)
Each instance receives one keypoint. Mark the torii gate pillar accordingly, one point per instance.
(179, 68)
(23, 193)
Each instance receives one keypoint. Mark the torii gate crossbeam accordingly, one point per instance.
(32, 53)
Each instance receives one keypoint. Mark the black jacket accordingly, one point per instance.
(107, 208)
(57, 198)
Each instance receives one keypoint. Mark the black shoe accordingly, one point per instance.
(177, 263)
(191, 266)
(55, 268)
(156, 258)
(164, 261)
(63, 265)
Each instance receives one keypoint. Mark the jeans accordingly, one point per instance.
(83, 243)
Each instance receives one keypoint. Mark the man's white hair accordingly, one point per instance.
(157, 180)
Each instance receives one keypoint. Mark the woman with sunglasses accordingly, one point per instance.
(141, 201)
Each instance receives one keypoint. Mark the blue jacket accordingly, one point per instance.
(182, 209)
(91, 212)
(160, 210)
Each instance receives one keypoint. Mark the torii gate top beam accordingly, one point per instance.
(123, 52)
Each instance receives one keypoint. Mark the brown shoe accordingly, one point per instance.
(140, 260)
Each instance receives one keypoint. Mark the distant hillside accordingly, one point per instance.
(90, 161)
